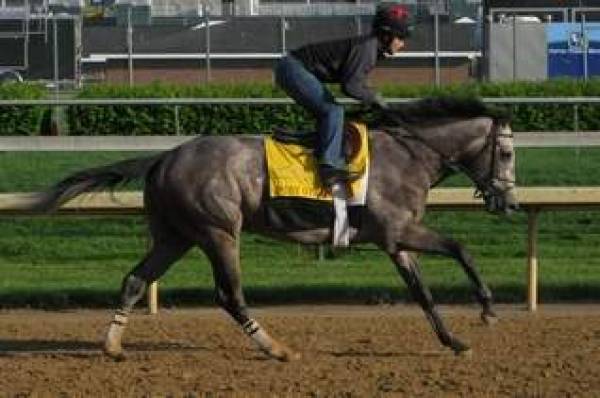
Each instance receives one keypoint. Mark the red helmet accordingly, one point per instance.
(393, 19)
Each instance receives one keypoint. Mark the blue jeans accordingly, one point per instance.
(310, 93)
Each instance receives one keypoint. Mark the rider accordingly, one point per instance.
(303, 72)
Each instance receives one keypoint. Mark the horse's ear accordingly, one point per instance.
(501, 116)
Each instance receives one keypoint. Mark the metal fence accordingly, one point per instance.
(138, 37)
(202, 33)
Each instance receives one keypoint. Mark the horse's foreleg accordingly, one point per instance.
(482, 291)
(134, 285)
(419, 238)
(409, 270)
(223, 251)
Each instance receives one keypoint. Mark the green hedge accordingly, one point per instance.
(252, 119)
(197, 119)
(21, 120)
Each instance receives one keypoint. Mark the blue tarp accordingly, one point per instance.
(567, 49)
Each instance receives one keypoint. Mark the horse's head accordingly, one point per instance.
(492, 169)
(468, 136)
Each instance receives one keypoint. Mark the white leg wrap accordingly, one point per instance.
(115, 331)
(120, 318)
(258, 334)
(341, 224)
(114, 335)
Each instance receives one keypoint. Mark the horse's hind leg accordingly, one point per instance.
(162, 255)
(409, 270)
(222, 248)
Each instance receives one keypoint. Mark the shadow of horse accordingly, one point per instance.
(387, 354)
(82, 348)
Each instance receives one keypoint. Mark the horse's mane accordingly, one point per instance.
(435, 110)
(446, 107)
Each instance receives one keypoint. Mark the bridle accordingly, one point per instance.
(489, 185)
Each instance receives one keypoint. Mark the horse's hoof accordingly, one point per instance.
(290, 356)
(287, 356)
(468, 353)
(489, 318)
(284, 354)
(116, 354)
(112, 342)
(461, 349)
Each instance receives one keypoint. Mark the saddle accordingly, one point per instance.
(352, 140)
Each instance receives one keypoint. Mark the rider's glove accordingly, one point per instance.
(379, 103)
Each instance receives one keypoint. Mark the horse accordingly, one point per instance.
(206, 191)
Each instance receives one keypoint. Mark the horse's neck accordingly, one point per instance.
(454, 140)
(451, 143)
(410, 154)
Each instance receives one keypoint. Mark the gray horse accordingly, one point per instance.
(206, 191)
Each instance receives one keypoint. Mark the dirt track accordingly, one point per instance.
(346, 351)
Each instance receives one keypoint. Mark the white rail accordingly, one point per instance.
(164, 142)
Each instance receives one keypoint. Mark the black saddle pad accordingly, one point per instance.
(307, 139)
(299, 214)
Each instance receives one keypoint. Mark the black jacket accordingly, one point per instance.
(345, 61)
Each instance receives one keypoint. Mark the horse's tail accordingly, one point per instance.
(93, 179)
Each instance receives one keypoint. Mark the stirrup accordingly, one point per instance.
(330, 176)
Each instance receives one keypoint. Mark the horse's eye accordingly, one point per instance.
(506, 155)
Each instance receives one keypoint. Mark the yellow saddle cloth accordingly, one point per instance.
(293, 170)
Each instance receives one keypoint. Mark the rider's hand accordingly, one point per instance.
(379, 103)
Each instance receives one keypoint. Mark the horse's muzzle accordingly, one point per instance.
(509, 203)
(502, 202)
(511, 208)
